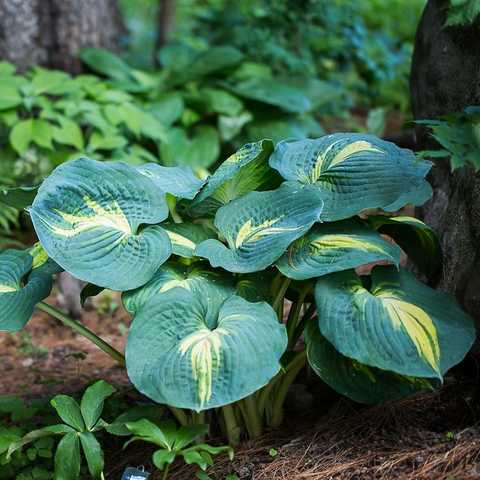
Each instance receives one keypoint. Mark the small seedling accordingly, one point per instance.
(273, 452)
(176, 443)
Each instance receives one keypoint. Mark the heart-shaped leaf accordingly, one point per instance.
(359, 382)
(260, 226)
(417, 240)
(399, 324)
(197, 279)
(90, 216)
(21, 288)
(178, 356)
(333, 247)
(244, 171)
(355, 172)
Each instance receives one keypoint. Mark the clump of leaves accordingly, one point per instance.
(459, 135)
(462, 12)
(206, 266)
(176, 442)
(81, 423)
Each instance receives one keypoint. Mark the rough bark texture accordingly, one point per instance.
(446, 79)
(51, 32)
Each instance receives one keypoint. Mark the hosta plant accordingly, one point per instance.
(235, 281)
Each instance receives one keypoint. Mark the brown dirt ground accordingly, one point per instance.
(434, 436)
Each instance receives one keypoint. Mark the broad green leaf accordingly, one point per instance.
(199, 151)
(69, 411)
(88, 215)
(196, 279)
(35, 435)
(230, 127)
(162, 458)
(21, 288)
(93, 453)
(273, 92)
(50, 82)
(359, 382)
(260, 226)
(354, 172)
(9, 97)
(333, 247)
(167, 109)
(21, 135)
(221, 101)
(68, 133)
(178, 181)
(192, 457)
(244, 171)
(213, 60)
(185, 435)
(67, 458)
(91, 405)
(31, 130)
(18, 197)
(399, 324)
(106, 62)
(178, 356)
(149, 432)
(153, 413)
(107, 141)
(186, 236)
(417, 240)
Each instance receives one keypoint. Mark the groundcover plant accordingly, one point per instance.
(206, 267)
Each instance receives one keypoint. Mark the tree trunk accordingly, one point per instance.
(445, 79)
(51, 32)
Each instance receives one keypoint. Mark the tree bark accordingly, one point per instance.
(52, 32)
(445, 79)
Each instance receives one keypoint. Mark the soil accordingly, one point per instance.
(432, 436)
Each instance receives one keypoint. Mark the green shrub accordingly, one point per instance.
(206, 267)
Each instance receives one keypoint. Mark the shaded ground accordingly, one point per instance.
(434, 436)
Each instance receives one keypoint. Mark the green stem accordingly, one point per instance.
(172, 207)
(253, 421)
(293, 317)
(301, 325)
(198, 418)
(265, 393)
(278, 301)
(180, 415)
(82, 330)
(231, 425)
(291, 373)
(165, 472)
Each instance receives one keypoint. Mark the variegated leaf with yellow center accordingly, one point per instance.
(399, 324)
(359, 382)
(417, 240)
(355, 172)
(214, 286)
(178, 356)
(333, 247)
(260, 226)
(244, 171)
(96, 220)
(25, 280)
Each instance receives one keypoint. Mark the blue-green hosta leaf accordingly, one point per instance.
(417, 240)
(244, 171)
(399, 325)
(178, 181)
(260, 226)
(186, 236)
(333, 247)
(359, 382)
(88, 215)
(21, 288)
(177, 356)
(211, 285)
(355, 172)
